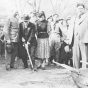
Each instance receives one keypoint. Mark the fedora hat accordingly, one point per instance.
(27, 18)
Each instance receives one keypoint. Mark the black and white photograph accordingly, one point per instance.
(43, 43)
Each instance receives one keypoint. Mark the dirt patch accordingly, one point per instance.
(52, 77)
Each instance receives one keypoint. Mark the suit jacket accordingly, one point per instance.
(28, 34)
(78, 27)
(81, 29)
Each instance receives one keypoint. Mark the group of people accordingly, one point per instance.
(26, 38)
(47, 39)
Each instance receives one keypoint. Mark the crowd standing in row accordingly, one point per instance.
(47, 39)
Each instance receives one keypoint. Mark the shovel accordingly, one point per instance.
(79, 76)
(29, 56)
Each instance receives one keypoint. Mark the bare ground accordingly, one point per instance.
(51, 77)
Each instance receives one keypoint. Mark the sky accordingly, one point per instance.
(61, 7)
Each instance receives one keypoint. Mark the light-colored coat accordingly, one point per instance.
(80, 29)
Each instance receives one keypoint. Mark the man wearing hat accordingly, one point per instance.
(27, 38)
(11, 33)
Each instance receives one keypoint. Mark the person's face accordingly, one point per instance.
(26, 23)
(55, 17)
(80, 10)
(16, 15)
(50, 19)
(41, 18)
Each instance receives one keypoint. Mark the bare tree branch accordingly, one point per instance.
(65, 7)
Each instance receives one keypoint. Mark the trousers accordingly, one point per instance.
(24, 56)
(55, 45)
(80, 52)
(10, 58)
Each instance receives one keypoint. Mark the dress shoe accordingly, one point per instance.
(35, 69)
(8, 67)
(25, 67)
(13, 67)
(43, 68)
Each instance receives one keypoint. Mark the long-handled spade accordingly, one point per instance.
(29, 56)
(79, 76)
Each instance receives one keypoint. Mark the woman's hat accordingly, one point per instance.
(41, 14)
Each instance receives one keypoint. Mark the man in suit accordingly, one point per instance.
(78, 36)
(27, 38)
(11, 34)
